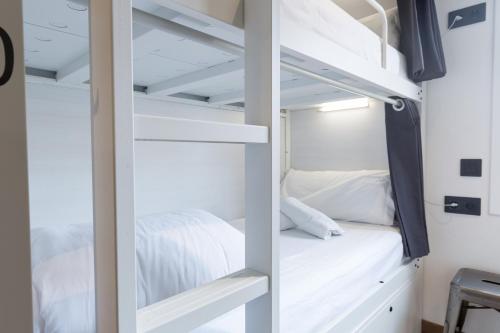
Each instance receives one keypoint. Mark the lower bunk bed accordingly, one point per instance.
(357, 282)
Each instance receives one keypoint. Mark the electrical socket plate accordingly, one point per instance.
(470, 15)
(467, 206)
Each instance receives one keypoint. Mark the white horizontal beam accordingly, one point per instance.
(227, 98)
(201, 78)
(188, 310)
(239, 96)
(154, 128)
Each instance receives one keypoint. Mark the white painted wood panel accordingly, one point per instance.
(113, 165)
(304, 44)
(262, 161)
(188, 310)
(196, 79)
(168, 175)
(370, 311)
(15, 256)
(494, 202)
(399, 313)
(339, 140)
(151, 128)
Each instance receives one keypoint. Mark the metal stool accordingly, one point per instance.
(470, 286)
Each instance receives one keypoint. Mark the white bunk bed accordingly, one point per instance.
(302, 51)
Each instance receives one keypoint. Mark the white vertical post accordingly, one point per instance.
(494, 200)
(262, 166)
(113, 161)
(15, 256)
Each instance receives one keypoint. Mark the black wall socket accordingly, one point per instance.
(467, 16)
(465, 205)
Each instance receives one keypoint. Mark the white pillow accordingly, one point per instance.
(309, 219)
(358, 196)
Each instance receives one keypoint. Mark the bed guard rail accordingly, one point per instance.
(383, 16)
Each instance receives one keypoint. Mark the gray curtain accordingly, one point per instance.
(421, 40)
(404, 147)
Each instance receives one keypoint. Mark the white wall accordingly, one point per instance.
(168, 175)
(458, 126)
(339, 140)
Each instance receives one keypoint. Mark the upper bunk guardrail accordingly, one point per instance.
(385, 30)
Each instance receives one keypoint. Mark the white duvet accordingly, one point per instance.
(320, 279)
(175, 252)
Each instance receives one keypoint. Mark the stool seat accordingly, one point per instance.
(470, 286)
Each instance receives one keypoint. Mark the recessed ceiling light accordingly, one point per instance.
(42, 39)
(58, 25)
(76, 7)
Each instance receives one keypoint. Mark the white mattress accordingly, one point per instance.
(321, 280)
(327, 19)
(177, 251)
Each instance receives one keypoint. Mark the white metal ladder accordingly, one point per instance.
(113, 180)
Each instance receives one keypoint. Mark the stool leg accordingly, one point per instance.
(453, 311)
(462, 316)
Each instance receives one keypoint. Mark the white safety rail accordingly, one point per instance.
(154, 128)
(384, 34)
(186, 311)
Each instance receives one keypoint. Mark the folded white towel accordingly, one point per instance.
(309, 219)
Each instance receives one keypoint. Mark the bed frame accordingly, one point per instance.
(114, 129)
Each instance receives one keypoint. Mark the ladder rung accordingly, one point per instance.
(154, 128)
(188, 310)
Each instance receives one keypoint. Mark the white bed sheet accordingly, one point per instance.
(327, 19)
(321, 280)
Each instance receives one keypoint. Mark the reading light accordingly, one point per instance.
(347, 104)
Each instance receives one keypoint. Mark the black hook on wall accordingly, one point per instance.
(9, 57)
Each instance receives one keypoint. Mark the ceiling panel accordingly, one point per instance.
(151, 69)
(59, 15)
(181, 50)
(50, 49)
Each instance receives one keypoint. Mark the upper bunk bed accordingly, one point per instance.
(319, 41)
